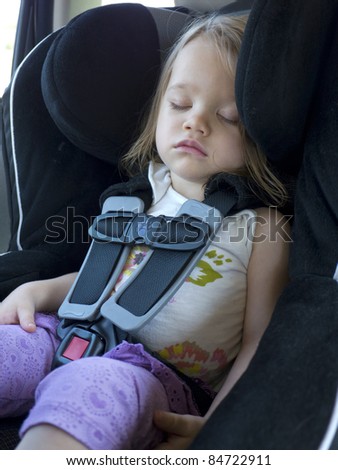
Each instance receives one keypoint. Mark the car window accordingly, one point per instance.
(148, 3)
(9, 12)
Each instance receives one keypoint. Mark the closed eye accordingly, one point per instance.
(178, 107)
(226, 120)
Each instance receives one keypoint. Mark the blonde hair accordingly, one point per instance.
(225, 33)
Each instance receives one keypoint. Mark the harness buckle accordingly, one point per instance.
(78, 343)
(85, 339)
(183, 233)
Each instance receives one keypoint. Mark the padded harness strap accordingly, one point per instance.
(100, 319)
(177, 243)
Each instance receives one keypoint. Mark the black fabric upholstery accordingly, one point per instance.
(61, 147)
(96, 81)
(238, 6)
(286, 90)
(9, 433)
(284, 46)
(48, 180)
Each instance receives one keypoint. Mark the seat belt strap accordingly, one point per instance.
(165, 268)
(176, 243)
(83, 332)
(104, 260)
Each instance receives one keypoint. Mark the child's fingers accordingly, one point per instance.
(168, 422)
(180, 425)
(26, 319)
(180, 429)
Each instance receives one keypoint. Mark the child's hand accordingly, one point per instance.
(19, 308)
(181, 429)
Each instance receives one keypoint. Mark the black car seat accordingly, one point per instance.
(68, 115)
(104, 65)
(259, 412)
(98, 73)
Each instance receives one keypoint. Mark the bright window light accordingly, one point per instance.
(147, 3)
(9, 12)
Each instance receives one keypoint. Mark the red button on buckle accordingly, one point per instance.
(76, 348)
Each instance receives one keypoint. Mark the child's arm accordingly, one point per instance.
(37, 296)
(266, 278)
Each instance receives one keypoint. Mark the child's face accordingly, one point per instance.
(197, 132)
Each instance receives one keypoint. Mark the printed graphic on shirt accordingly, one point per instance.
(134, 260)
(204, 273)
(192, 360)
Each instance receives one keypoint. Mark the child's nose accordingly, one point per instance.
(197, 122)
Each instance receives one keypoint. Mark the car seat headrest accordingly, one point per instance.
(202, 5)
(99, 73)
(170, 24)
(277, 73)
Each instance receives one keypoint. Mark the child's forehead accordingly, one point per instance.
(199, 41)
(207, 51)
(198, 51)
(200, 57)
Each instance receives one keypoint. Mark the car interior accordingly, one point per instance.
(83, 73)
(61, 153)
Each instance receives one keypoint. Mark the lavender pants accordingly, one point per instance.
(104, 402)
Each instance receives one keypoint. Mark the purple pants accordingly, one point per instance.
(104, 402)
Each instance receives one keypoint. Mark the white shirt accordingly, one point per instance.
(199, 331)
